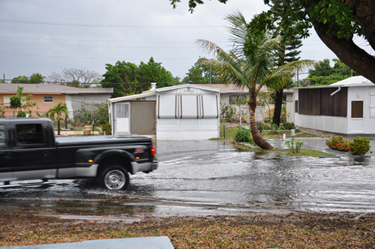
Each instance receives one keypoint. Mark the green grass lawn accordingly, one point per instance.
(231, 131)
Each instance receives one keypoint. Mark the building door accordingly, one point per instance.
(356, 124)
(143, 119)
(122, 118)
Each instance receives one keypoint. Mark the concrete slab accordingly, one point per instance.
(128, 243)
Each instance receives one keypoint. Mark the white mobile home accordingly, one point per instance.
(345, 107)
(183, 112)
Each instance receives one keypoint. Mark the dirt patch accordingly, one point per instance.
(293, 230)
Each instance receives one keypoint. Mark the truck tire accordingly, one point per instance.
(114, 177)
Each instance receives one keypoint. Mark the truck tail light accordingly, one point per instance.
(153, 150)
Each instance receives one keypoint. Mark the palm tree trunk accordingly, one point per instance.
(58, 127)
(258, 139)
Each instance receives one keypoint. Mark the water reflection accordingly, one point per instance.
(267, 180)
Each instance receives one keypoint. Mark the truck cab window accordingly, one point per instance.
(2, 135)
(30, 134)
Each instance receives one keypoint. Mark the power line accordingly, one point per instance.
(109, 26)
(93, 46)
(88, 58)
(90, 40)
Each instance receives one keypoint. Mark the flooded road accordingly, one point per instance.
(210, 177)
(221, 175)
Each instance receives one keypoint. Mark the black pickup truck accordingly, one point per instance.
(30, 151)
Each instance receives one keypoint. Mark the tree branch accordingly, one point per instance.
(349, 53)
(364, 11)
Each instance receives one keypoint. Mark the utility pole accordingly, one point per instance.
(297, 77)
(210, 75)
(4, 77)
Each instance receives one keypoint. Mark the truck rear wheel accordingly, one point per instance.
(114, 177)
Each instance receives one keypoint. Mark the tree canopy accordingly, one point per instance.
(35, 78)
(127, 78)
(324, 74)
(204, 74)
(335, 21)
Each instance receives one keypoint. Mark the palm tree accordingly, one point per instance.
(58, 110)
(251, 64)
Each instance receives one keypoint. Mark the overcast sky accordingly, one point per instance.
(44, 36)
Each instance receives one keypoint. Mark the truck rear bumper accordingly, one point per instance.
(143, 167)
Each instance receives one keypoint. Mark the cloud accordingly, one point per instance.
(43, 36)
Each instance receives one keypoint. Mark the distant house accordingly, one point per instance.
(229, 92)
(182, 112)
(48, 95)
(345, 107)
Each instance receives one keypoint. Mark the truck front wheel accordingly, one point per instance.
(114, 178)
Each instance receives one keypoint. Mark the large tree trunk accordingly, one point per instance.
(364, 11)
(349, 53)
(278, 105)
(258, 139)
(345, 49)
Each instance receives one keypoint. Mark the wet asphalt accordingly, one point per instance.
(211, 178)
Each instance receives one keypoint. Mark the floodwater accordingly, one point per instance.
(215, 173)
(211, 177)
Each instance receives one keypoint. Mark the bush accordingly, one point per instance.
(243, 135)
(21, 114)
(288, 126)
(266, 127)
(338, 143)
(107, 129)
(294, 146)
(360, 146)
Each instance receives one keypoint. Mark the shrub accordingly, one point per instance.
(21, 114)
(338, 143)
(107, 129)
(360, 146)
(266, 127)
(294, 146)
(288, 126)
(243, 135)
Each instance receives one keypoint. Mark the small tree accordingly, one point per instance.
(20, 101)
(57, 110)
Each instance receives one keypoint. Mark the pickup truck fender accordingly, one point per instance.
(118, 156)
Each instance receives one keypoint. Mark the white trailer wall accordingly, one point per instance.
(344, 125)
(187, 113)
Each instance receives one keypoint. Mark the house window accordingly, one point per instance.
(320, 102)
(6, 100)
(233, 99)
(48, 99)
(122, 110)
(357, 109)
